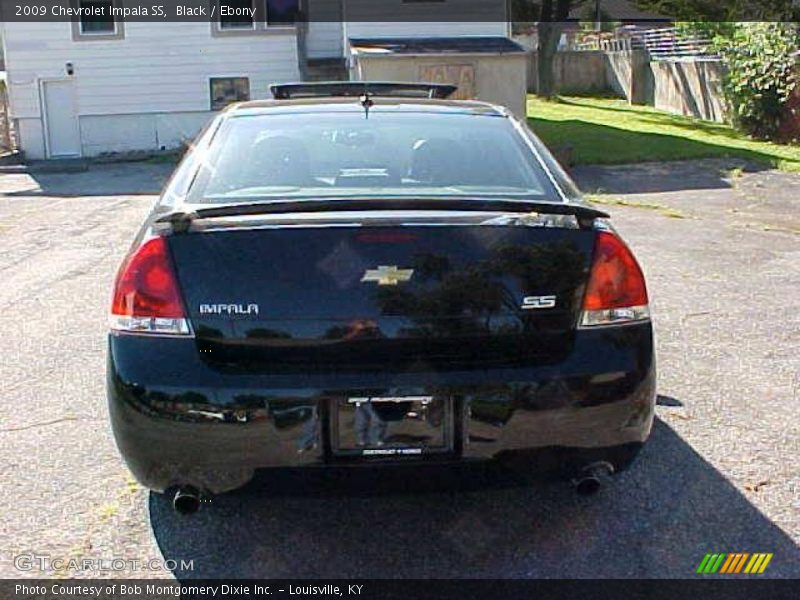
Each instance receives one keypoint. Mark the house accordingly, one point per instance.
(89, 86)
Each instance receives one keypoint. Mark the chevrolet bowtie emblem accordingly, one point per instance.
(384, 275)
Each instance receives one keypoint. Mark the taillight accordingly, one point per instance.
(146, 297)
(616, 291)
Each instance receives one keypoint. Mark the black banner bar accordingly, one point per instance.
(283, 13)
(755, 588)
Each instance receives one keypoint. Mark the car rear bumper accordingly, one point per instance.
(178, 421)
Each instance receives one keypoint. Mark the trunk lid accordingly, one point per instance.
(351, 297)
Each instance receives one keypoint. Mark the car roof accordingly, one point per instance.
(353, 104)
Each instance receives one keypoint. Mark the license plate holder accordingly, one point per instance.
(391, 426)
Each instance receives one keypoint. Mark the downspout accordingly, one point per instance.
(301, 34)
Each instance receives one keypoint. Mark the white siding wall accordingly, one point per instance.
(30, 137)
(159, 69)
(151, 89)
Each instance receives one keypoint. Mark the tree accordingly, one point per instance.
(761, 61)
(598, 20)
(552, 15)
(715, 11)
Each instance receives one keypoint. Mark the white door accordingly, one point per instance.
(61, 119)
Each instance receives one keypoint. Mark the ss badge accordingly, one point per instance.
(535, 302)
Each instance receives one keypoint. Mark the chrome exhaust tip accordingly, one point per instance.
(591, 478)
(186, 501)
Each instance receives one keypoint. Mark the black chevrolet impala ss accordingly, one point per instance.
(373, 274)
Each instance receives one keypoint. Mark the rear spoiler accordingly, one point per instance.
(182, 220)
(287, 91)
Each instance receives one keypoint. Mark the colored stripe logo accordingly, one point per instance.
(734, 563)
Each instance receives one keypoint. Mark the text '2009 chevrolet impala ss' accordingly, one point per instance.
(373, 274)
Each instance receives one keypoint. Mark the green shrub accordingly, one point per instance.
(762, 72)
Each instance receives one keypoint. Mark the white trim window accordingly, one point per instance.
(237, 15)
(227, 90)
(96, 18)
(247, 16)
(281, 13)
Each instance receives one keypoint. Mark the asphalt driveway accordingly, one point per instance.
(721, 249)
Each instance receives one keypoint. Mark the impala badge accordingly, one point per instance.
(390, 275)
(229, 310)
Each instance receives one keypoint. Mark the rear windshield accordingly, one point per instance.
(382, 154)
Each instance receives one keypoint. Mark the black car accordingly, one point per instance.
(358, 274)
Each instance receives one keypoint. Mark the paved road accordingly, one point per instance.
(722, 472)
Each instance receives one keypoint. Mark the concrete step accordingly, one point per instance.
(326, 69)
(58, 165)
(10, 158)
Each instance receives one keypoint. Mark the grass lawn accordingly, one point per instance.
(608, 131)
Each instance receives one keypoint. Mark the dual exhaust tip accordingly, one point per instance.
(186, 500)
(590, 479)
